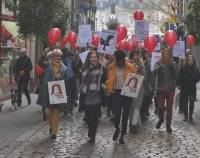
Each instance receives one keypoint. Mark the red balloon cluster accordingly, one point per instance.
(121, 33)
(150, 43)
(138, 15)
(95, 40)
(190, 40)
(171, 38)
(54, 35)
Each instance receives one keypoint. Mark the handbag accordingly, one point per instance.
(92, 98)
(37, 90)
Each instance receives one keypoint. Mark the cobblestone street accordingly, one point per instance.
(24, 134)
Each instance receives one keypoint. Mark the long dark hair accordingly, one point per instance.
(120, 58)
(130, 80)
(187, 58)
(87, 63)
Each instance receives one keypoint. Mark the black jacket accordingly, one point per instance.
(23, 63)
(189, 76)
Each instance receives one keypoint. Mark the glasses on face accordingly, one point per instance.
(59, 56)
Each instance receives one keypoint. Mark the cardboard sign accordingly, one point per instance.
(57, 92)
(141, 29)
(83, 56)
(179, 49)
(155, 57)
(108, 39)
(132, 85)
(84, 35)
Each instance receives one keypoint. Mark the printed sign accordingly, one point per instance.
(132, 85)
(57, 92)
(155, 57)
(108, 39)
(141, 29)
(84, 35)
(179, 49)
(83, 56)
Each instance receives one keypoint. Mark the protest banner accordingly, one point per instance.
(141, 29)
(132, 85)
(179, 49)
(84, 35)
(154, 58)
(57, 92)
(108, 39)
(83, 56)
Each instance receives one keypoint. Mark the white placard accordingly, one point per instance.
(84, 35)
(108, 39)
(179, 49)
(57, 92)
(83, 56)
(155, 57)
(132, 85)
(141, 29)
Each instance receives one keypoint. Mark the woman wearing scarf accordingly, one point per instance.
(92, 76)
(166, 72)
(55, 71)
(118, 72)
(189, 76)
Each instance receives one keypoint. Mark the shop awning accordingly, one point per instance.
(11, 27)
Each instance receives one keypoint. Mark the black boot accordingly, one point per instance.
(169, 130)
(158, 125)
(116, 134)
(121, 140)
(185, 118)
(190, 118)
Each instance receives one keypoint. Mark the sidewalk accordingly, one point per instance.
(14, 123)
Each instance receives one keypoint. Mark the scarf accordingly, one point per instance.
(90, 77)
(55, 67)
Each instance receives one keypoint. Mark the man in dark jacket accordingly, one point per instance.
(22, 69)
(188, 78)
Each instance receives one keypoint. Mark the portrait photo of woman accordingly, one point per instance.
(131, 86)
(56, 92)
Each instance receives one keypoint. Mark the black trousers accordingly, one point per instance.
(188, 99)
(92, 114)
(22, 86)
(145, 105)
(120, 108)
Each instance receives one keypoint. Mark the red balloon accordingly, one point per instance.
(53, 35)
(138, 15)
(72, 37)
(130, 46)
(122, 44)
(121, 33)
(190, 40)
(150, 43)
(39, 70)
(95, 40)
(64, 41)
(171, 38)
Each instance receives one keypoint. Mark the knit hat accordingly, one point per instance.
(57, 52)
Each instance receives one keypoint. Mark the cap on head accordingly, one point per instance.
(22, 51)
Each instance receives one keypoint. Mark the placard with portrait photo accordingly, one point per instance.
(57, 92)
(132, 85)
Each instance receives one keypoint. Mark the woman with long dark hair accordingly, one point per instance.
(92, 76)
(189, 76)
(118, 72)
